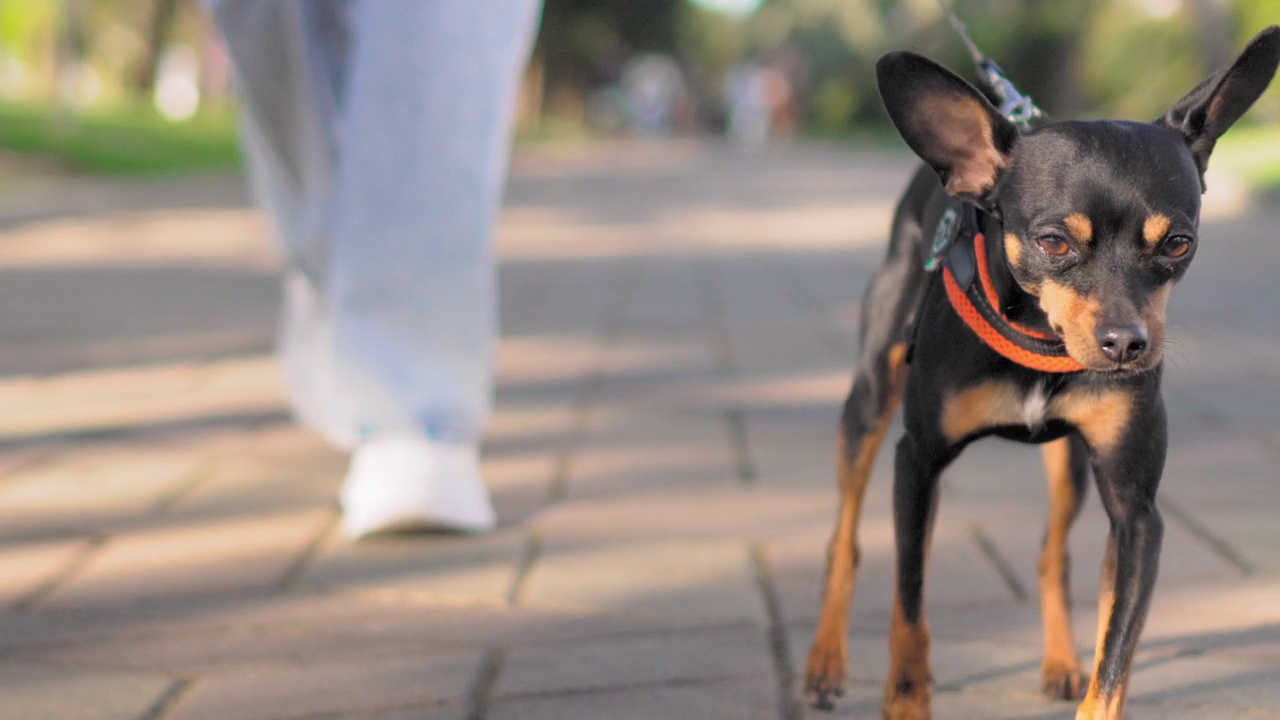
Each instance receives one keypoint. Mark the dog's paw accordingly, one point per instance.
(1062, 683)
(907, 708)
(824, 677)
(823, 698)
(909, 698)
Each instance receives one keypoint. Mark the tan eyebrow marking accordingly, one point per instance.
(1013, 249)
(1080, 227)
(1154, 229)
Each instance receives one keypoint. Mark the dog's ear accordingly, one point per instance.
(1205, 113)
(948, 123)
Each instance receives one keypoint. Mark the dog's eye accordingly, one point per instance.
(1176, 246)
(1054, 245)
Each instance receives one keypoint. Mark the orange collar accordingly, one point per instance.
(978, 305)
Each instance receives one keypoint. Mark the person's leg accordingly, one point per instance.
(424, 145)
(290, 59)
(382, 164)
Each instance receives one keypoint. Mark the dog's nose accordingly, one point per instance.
(1122, 343)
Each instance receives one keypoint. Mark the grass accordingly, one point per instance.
(121, 141)
(135, 140)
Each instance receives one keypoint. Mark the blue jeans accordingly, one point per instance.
(377, 136)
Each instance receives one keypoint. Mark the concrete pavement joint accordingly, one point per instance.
(163, 427)
(34, 458)
(610, 329)
(167, 700)
(519, 583)
(328, 526)
(1220, 547)
(992, 553)
(779, 646)
(60, 578)
(709, 679)
(736, 421)
(580, 417)
(183, 487)
(712, 304)
(480, 694)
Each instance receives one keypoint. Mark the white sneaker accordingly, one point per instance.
(404, 484)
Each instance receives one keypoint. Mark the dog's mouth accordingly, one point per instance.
(1081, 344)
(1108, 347)
(1091, 356)
(1126, 369)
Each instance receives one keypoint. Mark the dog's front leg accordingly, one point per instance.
(1066, 463)
(918, 464)
(1128, 462)
(867, 414)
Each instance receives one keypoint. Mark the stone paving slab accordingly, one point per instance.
(27, 568)
(689, 656)
(221, 631)
(32, 690)
(313, 686)
(482, 570)
(95, 488)
(710, 579)
(251, 554)
(745, 699)
(679, 327)
(743, 511)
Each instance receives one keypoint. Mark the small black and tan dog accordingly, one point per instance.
(1059, 248)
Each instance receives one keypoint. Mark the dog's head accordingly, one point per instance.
(1100, 217)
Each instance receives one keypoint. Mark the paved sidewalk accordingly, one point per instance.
(678, 328)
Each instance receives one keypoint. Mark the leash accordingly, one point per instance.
(959, 247)
(1019, 108)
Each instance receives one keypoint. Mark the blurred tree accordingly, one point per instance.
(1041, 48)
(1127, 58)
(584, 44)
(163, 14)
(1136, 62)
(73, 36)
(839, 41)
(709, 44)
(92, 50)
(70, 53)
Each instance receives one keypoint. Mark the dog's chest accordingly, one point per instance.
(1035, 406)
(998, 403)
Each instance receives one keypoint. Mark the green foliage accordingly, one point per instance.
(840, 41)
(121, 141)
(578, 37)
(1136, 66)
(1103, 57)
(833, 105)
(24, 24)
(711, 43)
(1251, 153)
